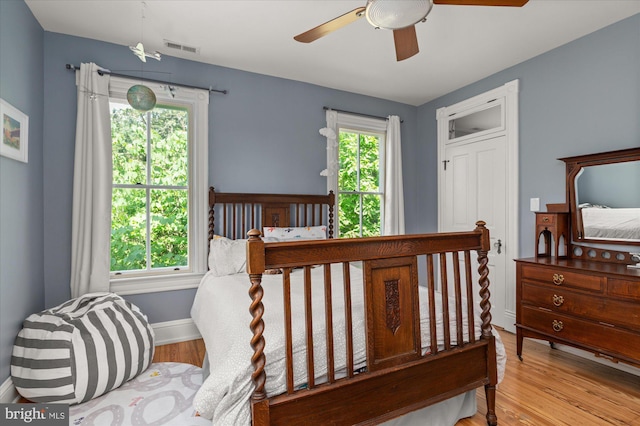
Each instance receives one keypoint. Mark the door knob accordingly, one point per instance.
(498, 245)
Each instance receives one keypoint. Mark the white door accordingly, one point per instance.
(476, 188)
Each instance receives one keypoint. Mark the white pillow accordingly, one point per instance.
(227, 257)
(296, 234)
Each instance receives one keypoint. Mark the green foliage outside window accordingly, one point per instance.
(150, 185)
(359, 185)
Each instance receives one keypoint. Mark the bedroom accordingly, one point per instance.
(567, 100)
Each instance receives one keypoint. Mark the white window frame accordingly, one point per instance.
(197, 103)
(361, 124)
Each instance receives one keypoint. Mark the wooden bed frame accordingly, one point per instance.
(398, 378)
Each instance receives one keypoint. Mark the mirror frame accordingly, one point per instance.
(573, 167)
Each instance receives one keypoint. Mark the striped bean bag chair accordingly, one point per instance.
(81, 349)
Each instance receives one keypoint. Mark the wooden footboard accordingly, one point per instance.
(401, 375)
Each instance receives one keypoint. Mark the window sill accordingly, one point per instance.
(170, 282)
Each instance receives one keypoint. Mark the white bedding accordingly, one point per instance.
(611, 223)
(221, 313)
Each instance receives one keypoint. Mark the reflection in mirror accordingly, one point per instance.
(608, 200)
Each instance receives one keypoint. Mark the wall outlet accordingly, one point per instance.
(534, 204)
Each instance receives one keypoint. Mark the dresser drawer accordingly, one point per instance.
(596, 337)
(624, 288)
(563, 278)
(597, 308)
(545, 219)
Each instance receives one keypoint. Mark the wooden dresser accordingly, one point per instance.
(593, 306)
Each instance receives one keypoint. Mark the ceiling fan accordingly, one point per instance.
(397, 15)
(138, 50)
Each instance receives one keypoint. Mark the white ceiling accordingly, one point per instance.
(458, 44)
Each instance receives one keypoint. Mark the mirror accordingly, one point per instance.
(604, 197)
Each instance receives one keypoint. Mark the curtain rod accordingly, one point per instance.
(102, 72)
(356, 113)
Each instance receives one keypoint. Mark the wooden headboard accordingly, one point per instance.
(232, 215)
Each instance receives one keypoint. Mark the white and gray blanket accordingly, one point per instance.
(221, 313)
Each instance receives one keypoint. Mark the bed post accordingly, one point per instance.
(255, 268)
(485, 316)
(212, 201)
(332, 202)
(483, 270)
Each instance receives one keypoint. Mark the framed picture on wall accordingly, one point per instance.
(15, 132)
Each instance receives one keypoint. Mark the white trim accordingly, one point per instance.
(168, 282)
(8, 392)
(507, 93)
(181, 330)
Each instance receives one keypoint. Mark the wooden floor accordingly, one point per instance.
(553, 387)
(549, 387)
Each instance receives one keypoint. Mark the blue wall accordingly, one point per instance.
(263, 137)
(21, 220)
(580, 98)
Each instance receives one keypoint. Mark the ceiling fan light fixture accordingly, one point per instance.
(396, 14)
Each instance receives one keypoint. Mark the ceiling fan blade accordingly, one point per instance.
(329, 26)
(406, 42)
(513, 3)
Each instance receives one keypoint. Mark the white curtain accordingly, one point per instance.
(393, 189)
(92, 175)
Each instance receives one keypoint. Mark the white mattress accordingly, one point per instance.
(611, 223)
(220, 311)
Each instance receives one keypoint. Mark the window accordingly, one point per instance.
(360, 195)
(159, 194)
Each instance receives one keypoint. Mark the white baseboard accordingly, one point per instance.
(510, 322)
(8, 393)
(175, 331)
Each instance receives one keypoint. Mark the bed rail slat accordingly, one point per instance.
(445, 301)
(288, 334)
(234, 209)
(328, 312)
(244, 219)
(297, 208)
(470, 298)
(309, 327)
(458, 296)
(346, 276)
(223, 231)
(431, 284)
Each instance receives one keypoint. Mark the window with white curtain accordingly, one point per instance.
(356, 172)
(159, 191)
(360, 182)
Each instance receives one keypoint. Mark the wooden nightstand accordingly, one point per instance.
(552, 226)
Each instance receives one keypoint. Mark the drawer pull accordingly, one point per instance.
(558, 300)
(557, 325)
(558, 279)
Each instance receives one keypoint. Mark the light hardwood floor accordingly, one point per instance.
(549, 387)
